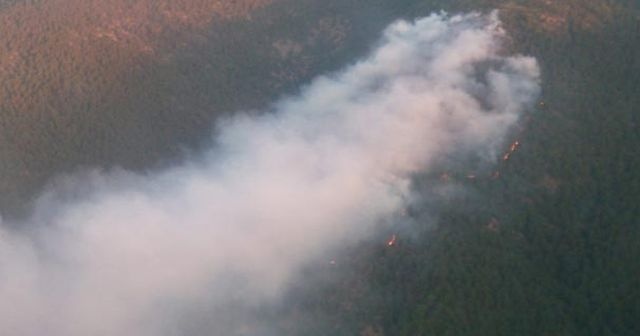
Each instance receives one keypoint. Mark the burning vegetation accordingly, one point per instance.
(512, 149)
(393, 240)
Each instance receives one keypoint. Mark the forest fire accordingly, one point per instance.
(392, 241)
(514, 146)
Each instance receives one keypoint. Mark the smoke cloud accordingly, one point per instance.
(121, 253)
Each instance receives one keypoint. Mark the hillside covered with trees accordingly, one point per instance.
(548, 246)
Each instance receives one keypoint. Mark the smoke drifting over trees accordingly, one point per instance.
(324, 167)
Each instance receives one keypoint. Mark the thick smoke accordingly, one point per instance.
(324, 167)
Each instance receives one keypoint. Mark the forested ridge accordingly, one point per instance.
(136, 83)
(547, 247)
(77, 83)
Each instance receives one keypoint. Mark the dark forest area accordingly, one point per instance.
(549, 247)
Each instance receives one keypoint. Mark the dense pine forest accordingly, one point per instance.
(550, 246)
(545, 242)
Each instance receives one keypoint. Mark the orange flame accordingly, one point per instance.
(392, 240)
(514, 146)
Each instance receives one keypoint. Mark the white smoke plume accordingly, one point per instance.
(276, 190)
